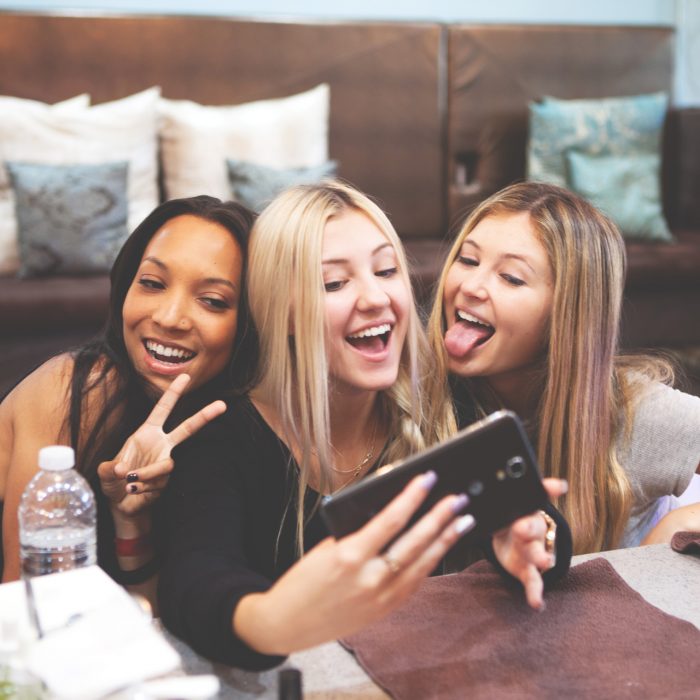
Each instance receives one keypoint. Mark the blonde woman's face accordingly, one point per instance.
(367, 304)
(497, 300)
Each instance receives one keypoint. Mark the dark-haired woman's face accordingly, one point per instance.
(181, 311)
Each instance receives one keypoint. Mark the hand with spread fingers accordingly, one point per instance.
(140, 471)
(342, 585)
(526, 548)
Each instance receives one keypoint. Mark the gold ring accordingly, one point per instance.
(393, 565)
(550, 535)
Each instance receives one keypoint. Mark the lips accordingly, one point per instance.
(372, 339)
(168, 353)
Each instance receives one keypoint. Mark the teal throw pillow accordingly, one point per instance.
(620, 126)
(256, 185)
(72, 219)
(626, 188)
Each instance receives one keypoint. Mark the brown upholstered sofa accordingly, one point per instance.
(427, 118)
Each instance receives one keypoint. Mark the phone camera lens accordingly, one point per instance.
(475, 488)
(516, 467)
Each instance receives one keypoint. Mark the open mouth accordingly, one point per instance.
(480, 329)
(372, 339)
(168, 353)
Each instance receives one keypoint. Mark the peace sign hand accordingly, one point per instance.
(135, 478)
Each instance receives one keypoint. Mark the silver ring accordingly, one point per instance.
(393, 565)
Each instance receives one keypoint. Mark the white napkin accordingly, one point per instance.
(96, 639)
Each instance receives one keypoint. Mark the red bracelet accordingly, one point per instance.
(134, 547)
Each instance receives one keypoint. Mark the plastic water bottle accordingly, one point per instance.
(57, 517)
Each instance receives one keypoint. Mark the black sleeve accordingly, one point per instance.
(205, 570)
(564, 550)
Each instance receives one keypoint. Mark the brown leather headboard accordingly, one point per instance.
(494, 71)
(386, 122)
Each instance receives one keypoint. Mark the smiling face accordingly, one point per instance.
(181, 311)
(367, 304)
(497, 301)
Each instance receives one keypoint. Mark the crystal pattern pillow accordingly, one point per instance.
(11, 107)
(196, 140)
(256, 185)
(608, 126)
(123, 130)
(72, 219)
(626, 188)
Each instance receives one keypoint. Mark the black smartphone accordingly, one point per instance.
(492, 461)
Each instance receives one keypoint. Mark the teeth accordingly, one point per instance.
(370, 332)
(167, 351)
(464, 316)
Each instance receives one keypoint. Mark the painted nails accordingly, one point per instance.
(460, 502)
(464, 524)
(131, 477)
(428, 480)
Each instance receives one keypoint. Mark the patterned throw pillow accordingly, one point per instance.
(626, 188)
(256, 185)
(622, 127)
(72, 219)
(122, 130)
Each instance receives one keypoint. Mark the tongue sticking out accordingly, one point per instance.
(462, 337)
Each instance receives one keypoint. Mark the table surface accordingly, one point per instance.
(666, 579)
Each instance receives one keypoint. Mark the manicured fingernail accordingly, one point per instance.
(133, 488)
(564, 486)
(460, 502)
(133, 476)
(464, 524)
(428, 480)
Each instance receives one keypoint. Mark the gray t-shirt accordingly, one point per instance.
(661, 456)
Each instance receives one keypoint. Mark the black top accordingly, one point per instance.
(231, 530)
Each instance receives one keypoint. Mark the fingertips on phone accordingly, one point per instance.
(428, 480)
(464, 524)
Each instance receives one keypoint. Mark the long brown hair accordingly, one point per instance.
(587, 390)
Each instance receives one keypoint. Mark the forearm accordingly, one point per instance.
(255, 624)
(685, 519)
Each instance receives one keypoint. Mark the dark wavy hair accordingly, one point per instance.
(125, 395)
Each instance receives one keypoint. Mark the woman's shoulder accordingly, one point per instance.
(659, 403)
(44, 391)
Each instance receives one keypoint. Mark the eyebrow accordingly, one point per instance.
(206, 280)
(507, 256)
(340, 261)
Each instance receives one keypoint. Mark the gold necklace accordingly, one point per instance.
(355, 471)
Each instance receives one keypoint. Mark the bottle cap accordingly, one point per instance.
(56, 458)
(289, 684)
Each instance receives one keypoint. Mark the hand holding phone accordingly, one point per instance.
(491, 461)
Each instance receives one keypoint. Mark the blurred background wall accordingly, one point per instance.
(684, 15)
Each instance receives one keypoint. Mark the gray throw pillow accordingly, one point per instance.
(626, 188)
(255, 185)
(72, 219)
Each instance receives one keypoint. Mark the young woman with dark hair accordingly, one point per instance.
(177, 323)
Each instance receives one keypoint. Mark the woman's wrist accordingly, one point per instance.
(131, 526)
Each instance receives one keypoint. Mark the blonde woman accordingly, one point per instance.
(527, 316)
(252, 574)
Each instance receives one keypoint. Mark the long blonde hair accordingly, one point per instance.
(588, 390)
(287, 307)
